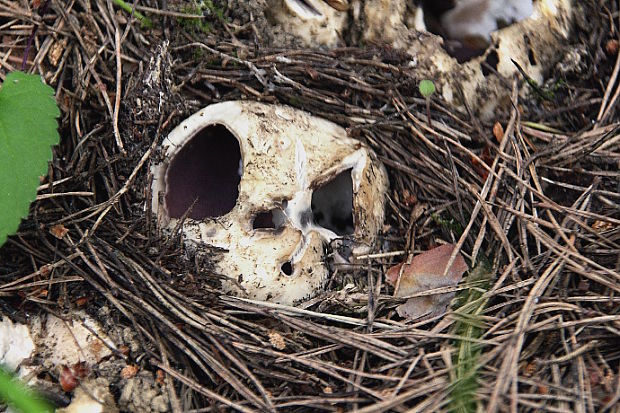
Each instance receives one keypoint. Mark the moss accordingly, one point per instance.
(206, 8)
(448, 224)
(198, 53)
(294, 101)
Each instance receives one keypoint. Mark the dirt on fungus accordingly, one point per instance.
(540, 206)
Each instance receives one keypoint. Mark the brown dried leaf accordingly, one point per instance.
(45, 270)
(312, 73)
(56, 52)
(409, 199)
(70, 376)
(498, 131)
(81, 302)
(529, 369)
(59, 231)
(426, 273)
(80, 369)
(611, 47)
(602, 226)
(485, 156)
(129, 371)
(276, 340)
(124, 349)
(160, 377)
(67, 379)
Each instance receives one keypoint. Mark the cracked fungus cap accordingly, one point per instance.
(265, 189)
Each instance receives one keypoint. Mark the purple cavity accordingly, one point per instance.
(204, 171)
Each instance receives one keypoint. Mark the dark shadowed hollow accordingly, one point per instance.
(273, 219)
(205, 170)
(332, 204)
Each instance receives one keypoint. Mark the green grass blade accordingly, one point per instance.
(469, 326)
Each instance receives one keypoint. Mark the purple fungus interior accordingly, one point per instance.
(204, 175)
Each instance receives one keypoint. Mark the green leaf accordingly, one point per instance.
(19, 396)
(427, 88)
(28, 129)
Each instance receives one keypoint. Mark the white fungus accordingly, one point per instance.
(304, 185)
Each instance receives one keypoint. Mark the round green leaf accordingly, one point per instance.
(427, 88)
(28, 129)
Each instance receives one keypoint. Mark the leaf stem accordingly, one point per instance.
(428, 111)
(145, 21)
(41, 11)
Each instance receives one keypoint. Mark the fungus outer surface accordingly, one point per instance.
(271, 241)
(204, 175)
